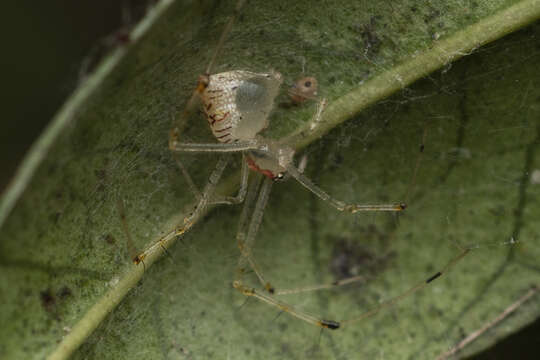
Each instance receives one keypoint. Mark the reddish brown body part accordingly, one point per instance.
(253, 166)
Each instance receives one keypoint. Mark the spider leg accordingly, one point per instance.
(243, 222)
(192, 187)
(231, 200)
(133, 254)
(192, 219)
(247, 209)
(224, 34)
(283, 306)
(334, 284)
(388, 303)
(247, 241)
(218, 147)
(340, 205)
(227, 200)
(203, 80)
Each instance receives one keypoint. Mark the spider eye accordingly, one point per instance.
(307, 84)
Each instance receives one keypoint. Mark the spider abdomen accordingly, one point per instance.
(237, 103)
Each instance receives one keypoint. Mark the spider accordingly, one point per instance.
(237, 105)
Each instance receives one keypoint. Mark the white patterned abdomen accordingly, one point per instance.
(237, 103)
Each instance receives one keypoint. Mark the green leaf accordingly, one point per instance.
(65, 265)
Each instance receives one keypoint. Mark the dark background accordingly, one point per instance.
(44, 46)
(47, 48)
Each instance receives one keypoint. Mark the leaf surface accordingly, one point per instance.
(476, 184)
